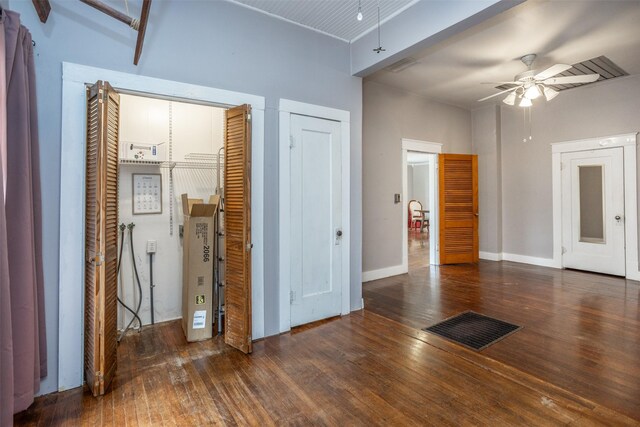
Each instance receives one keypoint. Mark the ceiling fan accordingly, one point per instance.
(534, 83)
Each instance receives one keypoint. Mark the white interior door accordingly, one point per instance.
(316, 215)
(593, 211)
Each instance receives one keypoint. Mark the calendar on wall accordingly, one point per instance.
(147, 193)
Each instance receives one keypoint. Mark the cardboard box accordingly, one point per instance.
(197, 267)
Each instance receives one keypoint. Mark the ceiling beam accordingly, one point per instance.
(144, 17)
(108, 10)
(42, 8)
(140, 26)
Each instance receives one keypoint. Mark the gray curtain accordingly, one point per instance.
(23, 323)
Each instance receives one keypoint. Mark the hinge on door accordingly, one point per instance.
(99, 258)
(292, 297)
(564, 250)
(290, 141)
(249, 246)
(249, 117)
(561, 165)
(101, 96)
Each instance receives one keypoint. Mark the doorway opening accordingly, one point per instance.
(420, 201)
(420, 204)
(166, 148)
(192, 208)
(241, 123)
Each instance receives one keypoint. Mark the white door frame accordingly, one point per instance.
(286, 108)
(628, 142)
(72, 195)
(434, 250)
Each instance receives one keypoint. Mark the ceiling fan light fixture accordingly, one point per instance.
(510, 99)
(550, 93)
(532, 92)
(359, 15)
(525, 102)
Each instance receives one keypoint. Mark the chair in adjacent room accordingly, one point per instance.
(415, 216)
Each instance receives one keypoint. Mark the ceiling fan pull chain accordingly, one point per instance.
(530, 123)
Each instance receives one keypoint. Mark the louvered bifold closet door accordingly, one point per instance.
(458, 189)
(101, 237)
(237, 228)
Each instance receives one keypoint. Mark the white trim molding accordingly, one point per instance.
(72, 192)
(421, 146)
(286, 109)
(525, 259)
(629, 144)
(433, 148)
(368, 276)
(490, 256)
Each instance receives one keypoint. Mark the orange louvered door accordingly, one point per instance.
(101, 237)
(458, 188)
(237, 228)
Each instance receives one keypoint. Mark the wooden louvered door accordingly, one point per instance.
(237, 228)
(101, 237)
(458, 189)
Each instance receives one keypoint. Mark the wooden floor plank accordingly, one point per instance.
(581, 330)
(375, 367)
(361, 369)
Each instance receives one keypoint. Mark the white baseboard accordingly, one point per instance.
(368, 276)
(525, 259)
(633, 275)
(491, 256)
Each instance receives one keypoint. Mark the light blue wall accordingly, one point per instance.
(419, 27)
(209, 43)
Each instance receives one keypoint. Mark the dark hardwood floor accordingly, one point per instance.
(575, 362)
(361, 369)
(418, 250)
(581, 330)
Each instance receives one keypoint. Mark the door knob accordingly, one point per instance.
(339, 233)
(618, 218)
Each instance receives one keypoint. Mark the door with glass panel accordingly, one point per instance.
(593, 211)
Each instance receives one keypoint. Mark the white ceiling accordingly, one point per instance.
(336, 18)
(560, 31)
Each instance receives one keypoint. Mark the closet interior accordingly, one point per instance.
(166, 149)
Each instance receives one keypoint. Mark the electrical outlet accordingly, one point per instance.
(151, 246)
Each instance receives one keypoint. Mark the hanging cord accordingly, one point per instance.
(135, 23)
(122, 228)
(135, 270)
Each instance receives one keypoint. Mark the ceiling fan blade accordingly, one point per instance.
(552, 71)
(569, 80)
(498, 94)
(501, 83)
